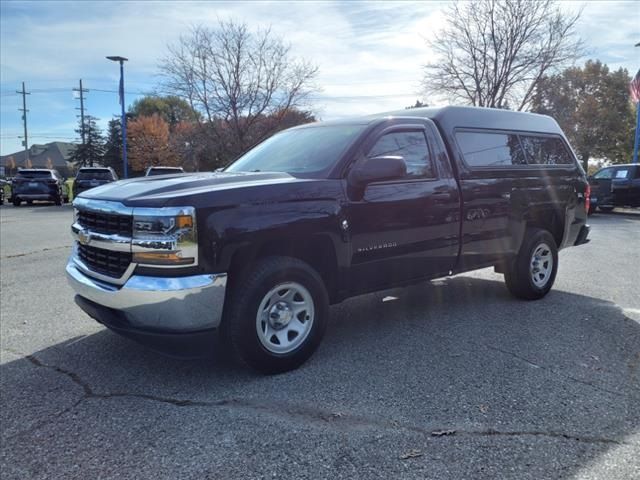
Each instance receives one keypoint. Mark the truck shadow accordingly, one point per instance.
(457, 354)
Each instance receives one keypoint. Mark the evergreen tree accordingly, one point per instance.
(113, 146)
(93, 148)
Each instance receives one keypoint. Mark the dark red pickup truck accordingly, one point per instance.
(323, 212)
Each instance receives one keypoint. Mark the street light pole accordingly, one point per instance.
(121, 60)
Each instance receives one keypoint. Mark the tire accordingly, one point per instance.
(29, 202)
(606, 209)
(530, 275)
(592, 209)
(57, 200)
(276, 341)
(16, 202)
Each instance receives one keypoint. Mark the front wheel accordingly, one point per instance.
(277, 315)
(532, 272)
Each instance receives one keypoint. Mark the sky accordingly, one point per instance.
(370, 55)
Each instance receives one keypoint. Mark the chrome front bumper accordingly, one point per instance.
(180, 304)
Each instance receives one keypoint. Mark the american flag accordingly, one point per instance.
(634, 88)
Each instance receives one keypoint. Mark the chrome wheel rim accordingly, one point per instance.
(285, 317)
(541, 265)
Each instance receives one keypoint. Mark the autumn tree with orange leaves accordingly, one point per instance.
(149, 143)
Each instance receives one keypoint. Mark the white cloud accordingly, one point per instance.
(372, 50)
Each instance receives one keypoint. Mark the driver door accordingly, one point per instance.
(407, 228)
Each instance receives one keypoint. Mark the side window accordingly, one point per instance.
(412, 146)
(605, 174)
(545, 150)
(489, 149)
(622, 173)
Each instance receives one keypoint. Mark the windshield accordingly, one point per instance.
(304, 151)
(94, 175)
(34, 174)
(604, 174)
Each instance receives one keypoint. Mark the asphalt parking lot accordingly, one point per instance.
(449, 379)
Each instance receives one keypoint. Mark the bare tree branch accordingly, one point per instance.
(236, 78)
(493, 53)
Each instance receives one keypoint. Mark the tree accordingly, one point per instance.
(236, 78)
(418, 104)
(172, 109)
(494, 53)
(592, 106)
(148, 143)
(113, 147)
(11, 164)
(92, 149)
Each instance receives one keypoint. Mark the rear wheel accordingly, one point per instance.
(605, 209)
(29, 202)
(276, 315)
(16, 202)
(531, 274)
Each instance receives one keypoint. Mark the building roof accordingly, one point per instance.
(58, 153)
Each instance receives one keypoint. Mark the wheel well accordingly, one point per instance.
(549, 220)
(317, 251)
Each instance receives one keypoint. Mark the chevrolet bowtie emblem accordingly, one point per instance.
(84, 237)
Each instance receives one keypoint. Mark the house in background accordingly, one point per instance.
(54, 155)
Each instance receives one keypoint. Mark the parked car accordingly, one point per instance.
(31, 184)
(3, 183)
(90, 177)
(323, 212)
(616, 186)
(163, 171)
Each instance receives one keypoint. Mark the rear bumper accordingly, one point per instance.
(162, 305)
(582, 235)
(34, 196)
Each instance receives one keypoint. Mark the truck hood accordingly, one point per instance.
(163, 190)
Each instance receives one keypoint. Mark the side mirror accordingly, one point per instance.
(377, 169)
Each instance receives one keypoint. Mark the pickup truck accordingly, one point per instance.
(322, 212)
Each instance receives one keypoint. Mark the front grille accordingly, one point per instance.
(105, 262)
(106, 223)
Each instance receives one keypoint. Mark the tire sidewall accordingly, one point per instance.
(539, 237)
(243, 319)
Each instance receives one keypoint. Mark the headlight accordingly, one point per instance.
(165, 237)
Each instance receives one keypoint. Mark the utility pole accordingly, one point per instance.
(24, 111)
(82, 132)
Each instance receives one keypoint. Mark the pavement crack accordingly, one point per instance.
(17, 255)
(306, 414)
(553, 370)
(72, 375)
(549, 434)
